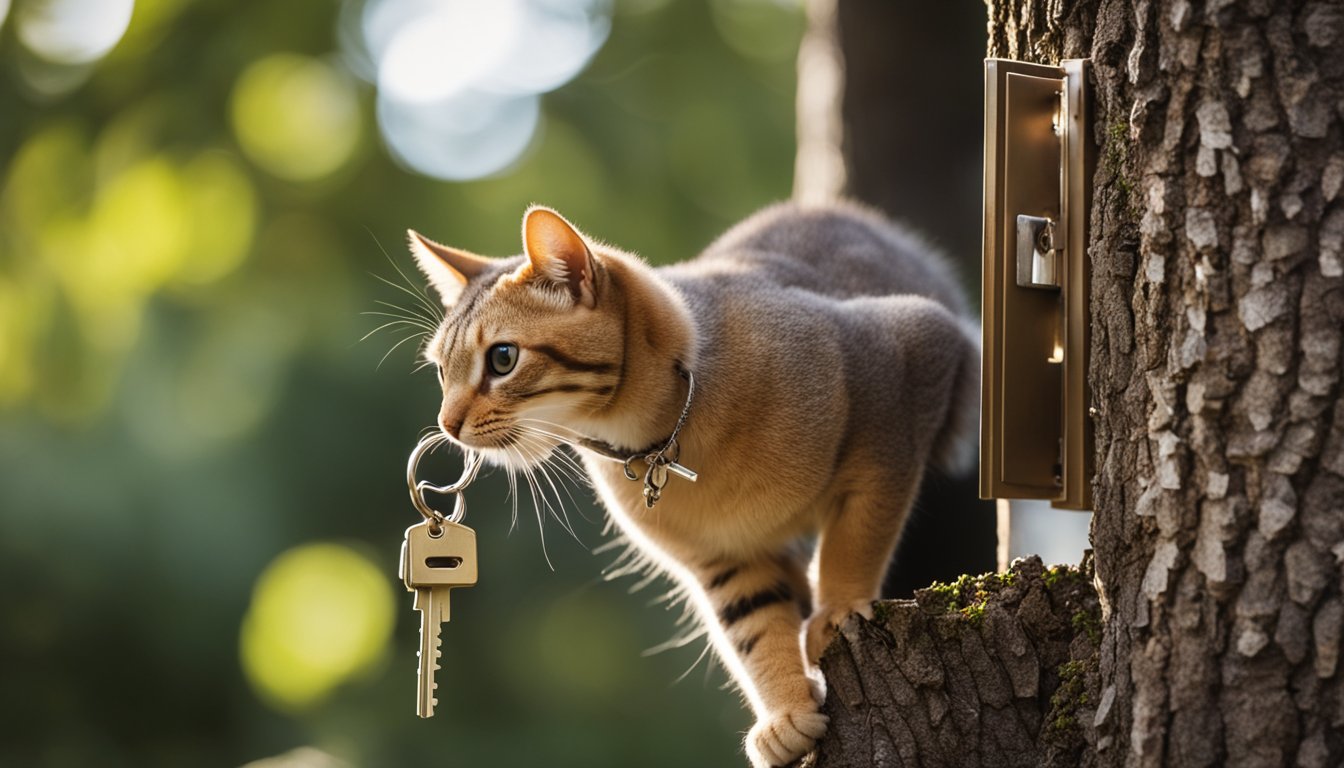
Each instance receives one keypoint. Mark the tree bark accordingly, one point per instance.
(993, 671)
(1216, 317)
(1217, 230)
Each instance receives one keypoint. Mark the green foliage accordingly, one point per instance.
(184, 398)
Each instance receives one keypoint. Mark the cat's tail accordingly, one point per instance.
(957, 446)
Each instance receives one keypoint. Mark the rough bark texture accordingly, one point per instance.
(1217, 252)
(998, 671)
(1217, 308)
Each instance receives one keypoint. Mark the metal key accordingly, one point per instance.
(431, 566)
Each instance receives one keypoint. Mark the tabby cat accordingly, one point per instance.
(832, 358)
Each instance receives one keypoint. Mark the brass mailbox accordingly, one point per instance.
(1035, 434)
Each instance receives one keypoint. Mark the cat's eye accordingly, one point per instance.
(501, 358)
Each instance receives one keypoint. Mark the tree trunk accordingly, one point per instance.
(1216, 317)
(1217, 306)
(889, 96)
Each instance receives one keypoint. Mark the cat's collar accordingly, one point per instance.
(661, 457)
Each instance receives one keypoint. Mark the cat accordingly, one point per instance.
(832, 358)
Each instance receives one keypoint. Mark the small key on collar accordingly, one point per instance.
(655, 477)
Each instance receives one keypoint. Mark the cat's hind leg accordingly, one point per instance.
(900, 410)
(857, 542)
(758, 609)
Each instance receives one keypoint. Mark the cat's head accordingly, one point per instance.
(529, 344)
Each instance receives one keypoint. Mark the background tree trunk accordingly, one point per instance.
(1217, 231)
(889, 95)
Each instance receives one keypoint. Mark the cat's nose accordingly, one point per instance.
(452, 420)
(453, 428)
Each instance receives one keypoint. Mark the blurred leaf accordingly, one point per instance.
(320, 614)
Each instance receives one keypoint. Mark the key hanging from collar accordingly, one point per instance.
(661, 459)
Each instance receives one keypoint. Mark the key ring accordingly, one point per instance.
(435, 518)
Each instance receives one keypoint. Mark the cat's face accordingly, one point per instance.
(529, 345)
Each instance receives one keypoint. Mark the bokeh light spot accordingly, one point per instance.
(222, 207)
(295, 116)
(553, 42)
(458, 80)
(136, 238)
(320, 615)
(448, 49)
(72, 31)
(469, 136)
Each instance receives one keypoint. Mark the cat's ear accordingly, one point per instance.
(448, 269)
(557, 253)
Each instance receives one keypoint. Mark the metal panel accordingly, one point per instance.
(1035, 435)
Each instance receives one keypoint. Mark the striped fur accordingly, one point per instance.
(834, 359)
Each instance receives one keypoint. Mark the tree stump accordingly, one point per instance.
(998, 670)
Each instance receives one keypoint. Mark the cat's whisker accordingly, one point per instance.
(582, 476)
(562, 517)
(434, 308)
(408, 312)
(563, 433)
(389, 352)
(419, 327)
(389, 324)
(422, 301)
(414, 289)
(423, 323)
(409, 317)
(541, 527)
(563, 462)
(418, 309)
(511, 473)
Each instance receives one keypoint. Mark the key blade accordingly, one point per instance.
(428, 608)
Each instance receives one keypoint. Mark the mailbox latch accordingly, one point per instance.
(1037, 256)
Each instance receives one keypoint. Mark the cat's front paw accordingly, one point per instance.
(825, 623)
(784, 737)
